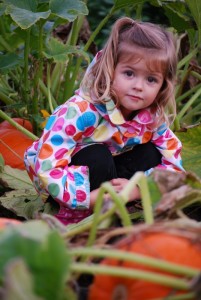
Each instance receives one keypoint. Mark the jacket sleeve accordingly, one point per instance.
(170, 148)
(47, 160)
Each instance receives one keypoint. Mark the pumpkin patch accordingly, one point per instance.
(166, 246)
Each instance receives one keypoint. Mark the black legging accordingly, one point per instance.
(104, 167)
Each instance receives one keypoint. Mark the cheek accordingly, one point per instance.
(114, 86)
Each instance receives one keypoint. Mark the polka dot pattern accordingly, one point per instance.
(73, 126)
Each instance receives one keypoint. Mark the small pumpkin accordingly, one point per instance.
(167, 246)
(25, 123)
(4, 222)
(13, 143)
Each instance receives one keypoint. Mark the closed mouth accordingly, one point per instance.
(135, 97)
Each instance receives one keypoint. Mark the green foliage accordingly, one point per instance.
(191, 149)
(41, 254)
(39, 71)
(19, 195)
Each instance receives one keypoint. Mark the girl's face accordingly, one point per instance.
(135, 85)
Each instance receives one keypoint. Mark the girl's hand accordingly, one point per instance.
(93, 197)
(119, 184)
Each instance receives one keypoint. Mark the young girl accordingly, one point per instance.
(114, 125)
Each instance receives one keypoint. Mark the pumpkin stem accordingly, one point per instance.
(120, 292)
(140, 179)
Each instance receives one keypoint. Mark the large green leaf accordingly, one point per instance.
(2, 9)
(44, 253)
(19, 194)
(24, 4)
(18, 282)
(177, 16)
(68, 9)
(59, 51)
(195, 8)
(191, 154)
(9, 61)
(25, 18)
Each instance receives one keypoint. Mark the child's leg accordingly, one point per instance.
(141, 158)
(101, 168)
(100, 162)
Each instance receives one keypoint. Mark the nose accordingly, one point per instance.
(138, 83)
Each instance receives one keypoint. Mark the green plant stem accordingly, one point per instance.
(69, 84)
(140, 179)
(90, 40)
(98, 28)
(165, 280)
(56, 78)
(86, 225)
(44, 90)
(187, 93)
(187, 59)
(67, 87)
(5, 45)
(176, 124)
(18, 126)
(107, 188)
(2, 28)
(189, 103)
(49, 88)
(185, 76)
(196, 75)
(5, 99)
(119, 203)
(193, 112)
(37, 76)
(124, 194)
(139, 11)
(137, 258)
(40, 48)
(26, 65)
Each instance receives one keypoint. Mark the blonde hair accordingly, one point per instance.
(131, 39)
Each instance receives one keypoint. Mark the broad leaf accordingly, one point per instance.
(195, 8)
(177, 20)
(25, 18)
(59, 51)
(24, 4)
(191, 153)
(19, 194)
(2, 9)
(16, 179)
(68, 9)
(18, 282)
(44, 253)
(9, 61)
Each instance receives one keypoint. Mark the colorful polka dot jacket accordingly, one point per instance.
(77, 124)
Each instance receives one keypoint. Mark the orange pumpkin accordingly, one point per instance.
(13, 144)
(25, 123)
(4, 222)
(164, 245)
